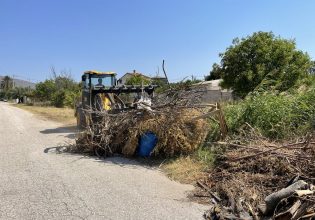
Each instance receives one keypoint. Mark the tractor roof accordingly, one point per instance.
(99, 73)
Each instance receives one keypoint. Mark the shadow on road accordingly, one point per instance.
(59, 130)
(134, 162)
(58, 150)
(115, 160)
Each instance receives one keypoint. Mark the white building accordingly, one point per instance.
(214, 92)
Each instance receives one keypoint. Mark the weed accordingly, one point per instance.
(276, 116)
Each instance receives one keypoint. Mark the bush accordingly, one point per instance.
(60, 91)
(2, 94)
(58, 99)
(303, 110)
(71, 97)
(274, 115)
(44, 90)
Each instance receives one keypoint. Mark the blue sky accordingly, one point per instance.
(122, 35)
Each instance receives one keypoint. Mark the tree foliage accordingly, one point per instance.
(7, 83)
(137, 80)
(9, 91)
(61, 90)
(261, 61)
(44, 90)
(215, 73)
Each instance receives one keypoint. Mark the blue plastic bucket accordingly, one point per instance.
(147, 143)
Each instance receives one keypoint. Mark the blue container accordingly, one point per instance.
(147, 143)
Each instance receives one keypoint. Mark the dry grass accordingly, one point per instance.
(185, 169)
(63, 115)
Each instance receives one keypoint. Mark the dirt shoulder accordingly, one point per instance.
(62, 115)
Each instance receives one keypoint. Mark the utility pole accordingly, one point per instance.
(163, 66)
(13, 81)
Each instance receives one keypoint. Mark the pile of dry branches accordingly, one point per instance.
(256, 178)
(176, 117)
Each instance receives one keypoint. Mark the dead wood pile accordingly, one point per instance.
(256, 179)
(176, 118)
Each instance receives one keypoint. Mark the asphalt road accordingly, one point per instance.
(36, 184)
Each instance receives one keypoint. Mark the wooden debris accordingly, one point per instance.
(177, 118)
(272, 180)
(217, 198)
(273, 199)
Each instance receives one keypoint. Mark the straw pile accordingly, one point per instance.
(177, 133)
(175, 129)
(172, 118)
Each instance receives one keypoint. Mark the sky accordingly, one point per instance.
(127, 35)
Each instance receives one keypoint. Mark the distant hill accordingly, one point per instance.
(21, 83)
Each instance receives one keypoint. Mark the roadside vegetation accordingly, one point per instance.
(275, 82)
(61, 90)
(274, 86)
(269, 148)
(276, 116)
(9, 92)
(52, 99)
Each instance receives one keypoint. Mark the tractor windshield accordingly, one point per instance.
(102, 81)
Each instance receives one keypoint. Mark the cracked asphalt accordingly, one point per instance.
(39, 185)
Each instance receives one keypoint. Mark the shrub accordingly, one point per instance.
(274, 115)
(303, 111)
(58, 99)
(44, 90)
(71, 97)
(59, 91)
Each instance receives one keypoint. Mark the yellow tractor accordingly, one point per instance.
(100, 93)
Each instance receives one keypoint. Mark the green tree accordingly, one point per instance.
(61, 90)
(58, 98)
(2, 94)
(7, 83)
(18, 92)
(262, 61)
(10, 91)
(312, 69)
(215, 73)
(44, 91)
(137, 80)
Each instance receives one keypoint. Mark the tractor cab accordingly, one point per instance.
(93, 85)
(94, 80)
(101, 94)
